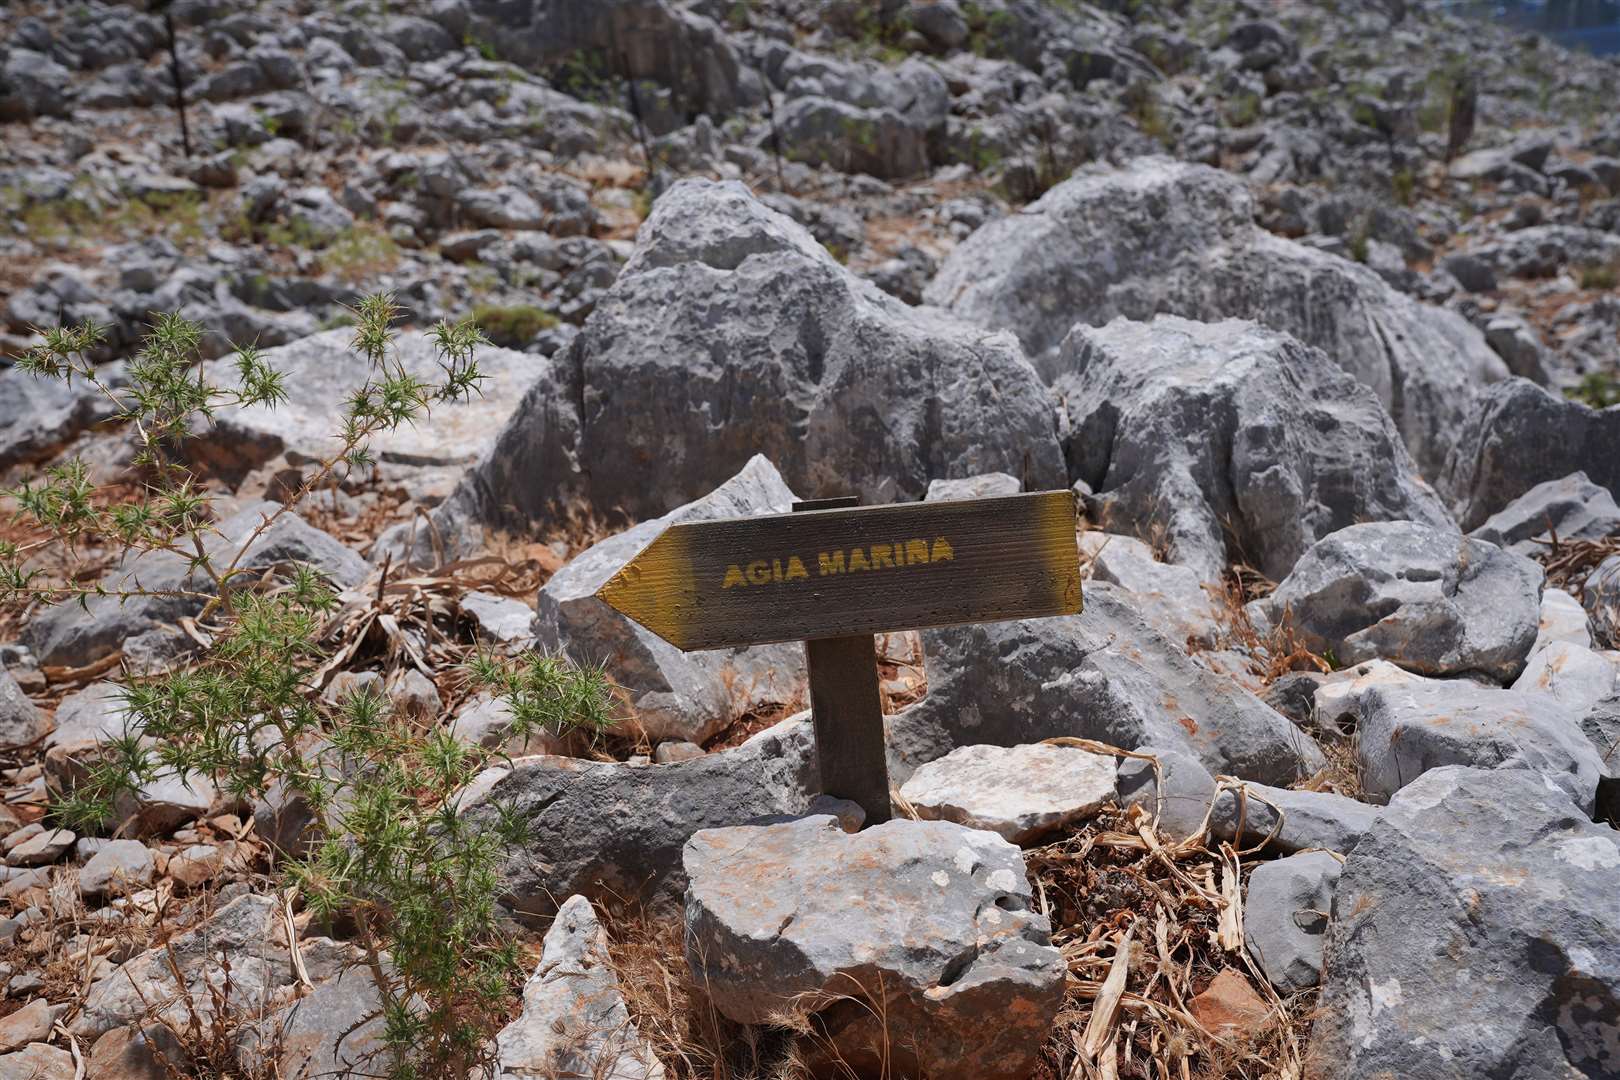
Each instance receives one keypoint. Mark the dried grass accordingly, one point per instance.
(1146, 924)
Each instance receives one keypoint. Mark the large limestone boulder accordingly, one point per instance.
(1103, 674)
(574, 1021)
(75, 635)
(1233, 441)
(1519, 435)
(730, 332)
(1159, 236)
(1431, 600)
(1491, 884)
(320, 372)
(676, 695)
(1406, 725)
(614, 830)
(916, 944)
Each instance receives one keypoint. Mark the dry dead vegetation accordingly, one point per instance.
(1145, 923)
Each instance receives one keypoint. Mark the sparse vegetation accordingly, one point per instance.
(387, 848)
(515, 326)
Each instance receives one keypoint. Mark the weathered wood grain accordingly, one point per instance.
(840, 572)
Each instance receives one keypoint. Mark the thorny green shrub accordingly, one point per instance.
(387, 850)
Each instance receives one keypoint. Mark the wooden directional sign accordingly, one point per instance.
(839, 572)
(833, 575)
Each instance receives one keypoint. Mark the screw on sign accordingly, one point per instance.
(833, 574)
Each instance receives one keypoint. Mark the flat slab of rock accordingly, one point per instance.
(1572, 675)
(1104, 675)
(675, 694)
(1489, 881)
(574, 1021)
(1562, 619)
(1431, 600)
(1017, 792)
(927, 924)
(321, 371)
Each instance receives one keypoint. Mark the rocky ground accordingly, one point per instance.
(1315, 307)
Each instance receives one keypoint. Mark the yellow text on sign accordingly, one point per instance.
(842, 561)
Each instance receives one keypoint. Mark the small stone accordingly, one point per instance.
(499, 620)
(983, 486)
(41, 849)
(21, 722)
(38, 1061)
(1562, 619)
(197, 864)
(1018, 792)
(676, 750)
(1285, 917)
(120, 866)
(1229, 1006)
(574, 1021)
(31, 1023)
(1572, 675)
(414, 695)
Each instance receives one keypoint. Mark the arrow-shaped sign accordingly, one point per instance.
(866, 570)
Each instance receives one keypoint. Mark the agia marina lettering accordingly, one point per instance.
(843, 561)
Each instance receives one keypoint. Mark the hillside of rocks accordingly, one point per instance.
(1314, 308)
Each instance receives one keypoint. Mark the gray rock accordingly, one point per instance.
(41, 848)
(880, 142)
(1285, 917)
(1542, 250)
(643, 39)
(1103, 675)
(1471, 272)
(986, 486)
(1562, 619)
(39, 1061)
(125, 865)
(1310, 819)
(1483, 880)
(667, 753)
(848, 390)
(335, 1031)
(675, 695)
(39, 416)
(1602, 601)
(1181, 802)
(584, 840)
(574, 1021)
(1572, 507)
(1165, 237)
(21, 722)
(1171, 598)
(500, 620)
(32, 85)
(322, 371)
(1572, 675)
(927, 925)
(1233, 441)
(92, 715)
(1519, 347)
(1520, 435)
(1428, 599)
(31, 1023)
(73, 635)
(486, 721)
(1017, 792)
(1407, 725)
(248, 929)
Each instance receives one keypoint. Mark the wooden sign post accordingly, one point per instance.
(832, 575)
